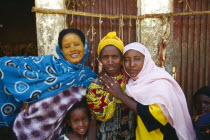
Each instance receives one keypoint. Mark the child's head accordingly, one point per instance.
(78, 117)
(202, 100)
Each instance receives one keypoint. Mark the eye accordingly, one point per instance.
(76, 44)
(115, 56)
(67, 46)
(85, 118)
(104, 56)
(75, 121)
(126, 59)
(137, 58)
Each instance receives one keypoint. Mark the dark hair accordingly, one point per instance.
(205, 90)
(81, 105)
(70, 30)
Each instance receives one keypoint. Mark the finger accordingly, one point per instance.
(109, 79)
(26, 109)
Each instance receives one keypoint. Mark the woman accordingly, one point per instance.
(115, 119)
(202, 106)
(51, 85)
(157, 98)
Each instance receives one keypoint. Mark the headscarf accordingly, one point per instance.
(110, 39)
(153, 85)
(36, 78)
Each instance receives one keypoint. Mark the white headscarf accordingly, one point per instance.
(153, 85)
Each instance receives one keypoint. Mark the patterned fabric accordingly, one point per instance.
(202, 126)
(102, 108)
(116, 121)
(45, 117)
(120, 127)
(31, 79)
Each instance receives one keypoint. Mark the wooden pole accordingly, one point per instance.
(78, 13)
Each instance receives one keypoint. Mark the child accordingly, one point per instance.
(202, 120)
(77, 122)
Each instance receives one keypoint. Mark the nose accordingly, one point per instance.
(81, 123)
(133, 63)
(110, 61)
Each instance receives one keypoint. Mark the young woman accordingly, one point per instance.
(156, 97)
(77, 122)
(115, 120)
(51, 85)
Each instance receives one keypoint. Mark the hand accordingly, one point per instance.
(110, 85)
(26, 108)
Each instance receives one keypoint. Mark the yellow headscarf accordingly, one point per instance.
(110, 39)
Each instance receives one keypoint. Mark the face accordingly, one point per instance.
(111, 58)
(72, 48)
(202, 104)
(78, 120)
(133, 62)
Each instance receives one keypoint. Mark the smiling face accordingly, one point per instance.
(133, 62)
(72, 48)
(202, 104)
(111, 58)
(79, 121)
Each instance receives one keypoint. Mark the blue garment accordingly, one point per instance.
(30, 79)
(202, 126)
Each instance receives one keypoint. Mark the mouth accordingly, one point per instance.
(74, 55)
(132, 71)
(203, 111)
(82, 131)
(110, 68)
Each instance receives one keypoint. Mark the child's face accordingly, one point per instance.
(202, 104)
(78, 120)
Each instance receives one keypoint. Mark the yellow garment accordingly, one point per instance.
(99, 102)
(141, 131)
(110, 39)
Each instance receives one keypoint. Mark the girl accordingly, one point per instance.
(77, 122)
(156, 97)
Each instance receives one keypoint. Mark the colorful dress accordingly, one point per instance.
(115, 120)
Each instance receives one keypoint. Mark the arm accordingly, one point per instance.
(144, 111)
(92, 129)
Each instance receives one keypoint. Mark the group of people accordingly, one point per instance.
(49, 98)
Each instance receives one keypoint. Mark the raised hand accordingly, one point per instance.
(110, 85)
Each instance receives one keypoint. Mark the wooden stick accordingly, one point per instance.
(78, 13)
